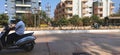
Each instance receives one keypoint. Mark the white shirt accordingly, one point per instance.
(20, 28)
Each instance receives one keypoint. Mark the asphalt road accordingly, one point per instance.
(67, 44)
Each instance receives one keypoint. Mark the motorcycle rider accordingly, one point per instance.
(19, 28)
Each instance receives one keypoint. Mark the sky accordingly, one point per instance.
(53, 4)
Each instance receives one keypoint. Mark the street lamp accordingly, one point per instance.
(35, 17)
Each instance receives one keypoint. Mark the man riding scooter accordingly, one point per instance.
(16, 40)
(19, 27)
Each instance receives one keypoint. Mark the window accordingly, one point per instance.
(100, 15)
(68, 2)
(5, 3)
(100, 4)
(33, 2)
(112, 4)
(69, 15)
(13, 7)
(90, 7)
(27, 0)
(6, 10)
(69, 9)
(101, 9)
(39, 3)
(12, 1)
(90, 12)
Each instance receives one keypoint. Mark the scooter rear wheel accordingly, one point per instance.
(28, 47)
(0, 48)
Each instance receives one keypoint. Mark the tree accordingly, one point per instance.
(86, 21)
(101, 22)
(43, 18)
(106, 21)
(3, 19)
(94, 18)
(118, 10)
(54, 23)
(36, 19)
(28, 19)
(75, 21)
(63, 22)
(117, 14)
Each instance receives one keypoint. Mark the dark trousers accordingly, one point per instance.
(12, 37)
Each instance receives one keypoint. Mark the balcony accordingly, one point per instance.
(5, 12)
(112, 7)
(18, 11)
(100, 12)
(84, 6)
(100, 6)
(25, 4)
(69, 12)
(69, 0)
(84, 0)
(5, 5)
(68, 5)
(84, 12)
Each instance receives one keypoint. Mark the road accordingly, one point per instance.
(67, 44)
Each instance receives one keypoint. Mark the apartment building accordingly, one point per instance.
(103, 8)
(19, 7)
(83, 8)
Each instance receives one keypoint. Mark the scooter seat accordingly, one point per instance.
(27, 34)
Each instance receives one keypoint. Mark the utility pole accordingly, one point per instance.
(39, 12)
(35, 12)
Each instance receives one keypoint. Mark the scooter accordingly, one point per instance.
(26, 43)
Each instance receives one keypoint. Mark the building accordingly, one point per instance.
(83, 8)
(103, 8)
(48, 10)
(19, 7)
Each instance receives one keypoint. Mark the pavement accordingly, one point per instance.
(93, 43)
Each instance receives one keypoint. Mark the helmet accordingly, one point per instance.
(17, 19)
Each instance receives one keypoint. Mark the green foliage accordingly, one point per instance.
(44, 19)
(54, 23)
(28, 19)
(101, 21)
(3, 19)
(115, 15)
(36, 19)
(94, 18)
(75, 21)
(63, 22)
(86, 21)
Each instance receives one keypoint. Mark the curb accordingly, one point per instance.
(70, 31)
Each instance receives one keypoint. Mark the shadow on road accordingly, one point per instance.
(72, 43)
